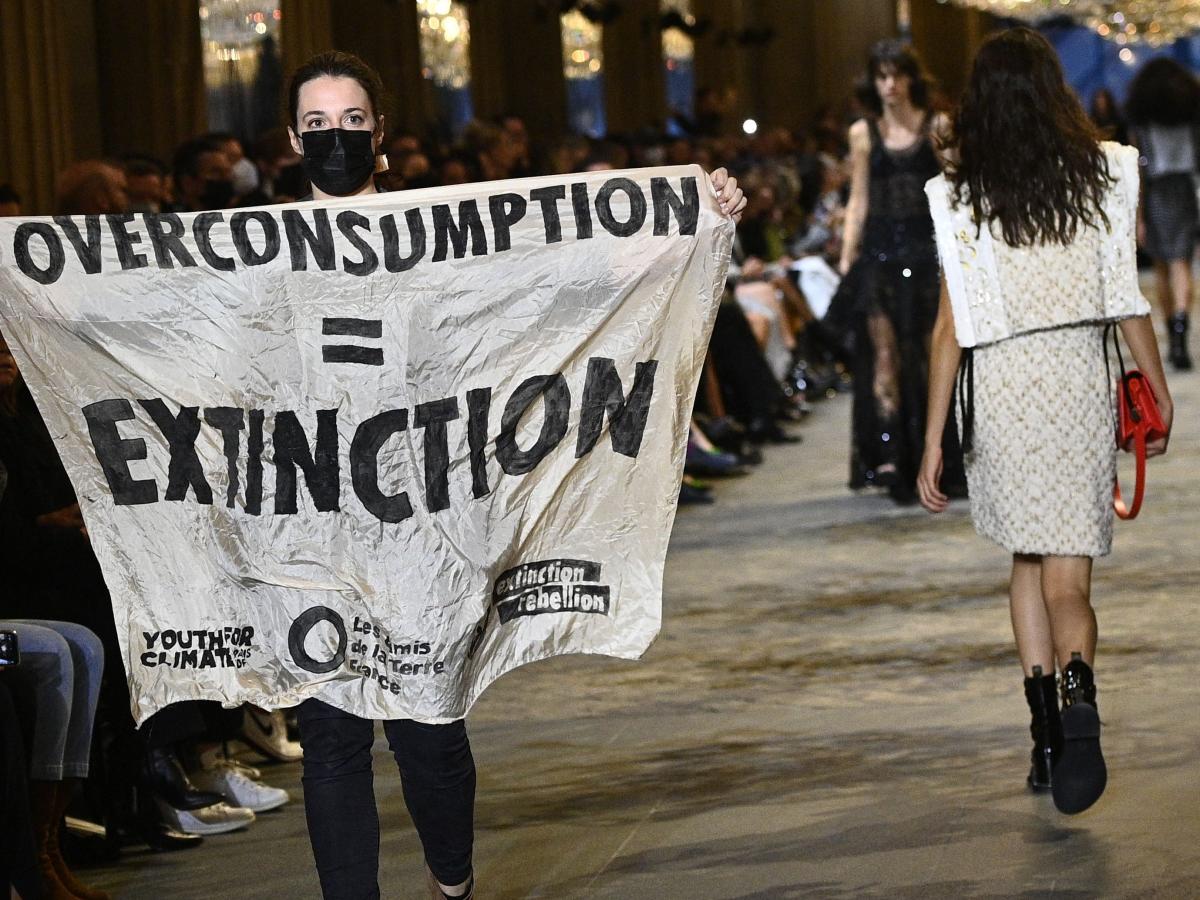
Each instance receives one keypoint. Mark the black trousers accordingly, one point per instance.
(437, 773)
(18, 857)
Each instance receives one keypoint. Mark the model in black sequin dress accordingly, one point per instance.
(887, 305)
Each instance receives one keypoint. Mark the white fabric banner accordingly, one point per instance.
(381, 450)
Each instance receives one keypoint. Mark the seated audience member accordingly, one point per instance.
(514, 126)
(10, 201)
(18, 855)
(203, 176)
(280, 176)
(51, 571)
(61, 665)
(491, 149)
(145, 184)
(91, 187)
(243, 174)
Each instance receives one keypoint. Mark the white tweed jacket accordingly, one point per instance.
(998, 291)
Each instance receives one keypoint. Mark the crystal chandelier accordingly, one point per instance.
(230, 29)
(445, 43)
(678, 46)
(1153, 22)
(583, 57)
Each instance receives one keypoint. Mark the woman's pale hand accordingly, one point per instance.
(1158, 447)
(929, 480)
(729, 195)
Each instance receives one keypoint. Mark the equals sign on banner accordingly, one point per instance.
(352, 353)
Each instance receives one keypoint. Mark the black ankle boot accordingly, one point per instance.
(1080, 775)
(1041, 692)
(164, 776)
(1180, 358)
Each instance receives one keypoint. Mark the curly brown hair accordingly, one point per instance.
(1022, 151)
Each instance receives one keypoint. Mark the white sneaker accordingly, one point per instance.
(266, 732)
(216, 756)
(231, 780)
(216, 819)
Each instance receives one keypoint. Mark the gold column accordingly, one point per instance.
(947, 37)
(516, 64)
(718, 61)
(634, 87)
(384, 33)
(36, 140)
(305, 28)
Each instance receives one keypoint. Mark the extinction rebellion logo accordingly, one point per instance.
(550, 586)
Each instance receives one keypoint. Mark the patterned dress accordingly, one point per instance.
(1044, 458)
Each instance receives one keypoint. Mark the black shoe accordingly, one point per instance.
(725, 432)
(903, 493)
(751, 456)
(1045, 728)
(164, 839)
(763, 431)
(1080, 775)
(690, 494)
(712, 463)
(1178, 331)
(164, 775)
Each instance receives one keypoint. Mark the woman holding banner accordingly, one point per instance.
(1031, 203)
(337, 128)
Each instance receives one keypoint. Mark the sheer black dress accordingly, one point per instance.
(887, 305)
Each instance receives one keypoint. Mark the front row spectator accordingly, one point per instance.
(90, 187)
(10, 201)
(18, 858)
(60, 668)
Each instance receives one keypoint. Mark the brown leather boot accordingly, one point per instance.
(42, 796)
(61, 798)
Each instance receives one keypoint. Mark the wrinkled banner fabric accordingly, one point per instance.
(381, 450)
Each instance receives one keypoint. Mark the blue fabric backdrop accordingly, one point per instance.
(1091, 62)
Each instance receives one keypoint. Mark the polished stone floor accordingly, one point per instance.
(833, 710)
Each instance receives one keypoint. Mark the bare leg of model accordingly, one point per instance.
(1181, 287)
(1080, 773)
(1031, 623)
(1067, 590)
(1162, 287)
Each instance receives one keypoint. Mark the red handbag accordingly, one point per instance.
(1138, 422)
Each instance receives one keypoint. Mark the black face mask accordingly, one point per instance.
(338, 161)
(217, 193)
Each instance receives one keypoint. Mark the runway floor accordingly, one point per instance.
(833, 710)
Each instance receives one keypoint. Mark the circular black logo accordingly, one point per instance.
(305, 623)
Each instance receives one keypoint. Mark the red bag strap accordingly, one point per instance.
(1123, 510)
(1139, 485)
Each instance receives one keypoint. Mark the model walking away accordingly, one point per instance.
(1164, 114)
(1030, 202)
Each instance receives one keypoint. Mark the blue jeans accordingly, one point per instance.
(61, 665)
(437, 773)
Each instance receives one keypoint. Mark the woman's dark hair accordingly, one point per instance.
(1021, 150)
(902, 59)
(334, 64)
(1163, 93)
